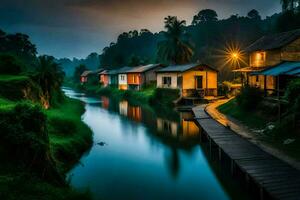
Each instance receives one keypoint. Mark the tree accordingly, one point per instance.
(290, 5)
(78, 71)
(175, 49)
(49, 75)
(254, 14)
(206, 15)
(9, 64)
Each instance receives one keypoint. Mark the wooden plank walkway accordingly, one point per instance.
(272, 175)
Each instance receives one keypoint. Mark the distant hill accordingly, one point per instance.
(92, 62)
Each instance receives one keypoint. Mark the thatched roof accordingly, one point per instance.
(275, 41)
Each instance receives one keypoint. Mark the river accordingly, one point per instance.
(145, 153)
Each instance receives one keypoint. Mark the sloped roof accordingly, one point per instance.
(285, 68)
(183, 68)
(86, 73)
(124, 70)
(142, 69)
(275, 41)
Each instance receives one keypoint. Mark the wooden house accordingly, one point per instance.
(140, 76)
(193, 80)
(109, 78)
(273, 61)
(122, 78)
(84, 76)
(104, 78)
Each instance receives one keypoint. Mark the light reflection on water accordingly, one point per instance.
(149, 154)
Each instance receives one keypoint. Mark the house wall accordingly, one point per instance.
(265, 58)
(104, 79)
(134, 78)
(159, 80)
(209, 79)
(150, 76)
(123, 81)
(291, 52)
(258, 81)
(113, 80)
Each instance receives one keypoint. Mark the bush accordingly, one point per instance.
(293, 92)
(163, 96)
(10, 65)
(249, 98)
(24, 138)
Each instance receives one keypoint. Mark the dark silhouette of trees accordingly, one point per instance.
(254, 14)
(290, 5)
(78, 71)
(19, 45)
(49, 76)
(206, 15)
(175, 48)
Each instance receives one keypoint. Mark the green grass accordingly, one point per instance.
(6, 104)
(69, 139)
(69, 136)
(253, 119)
(257, 120)
(8, 78)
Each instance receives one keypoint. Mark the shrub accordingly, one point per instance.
(249, 98)
(293, 92)
(164, 96)
(9, 64)
(25, 139)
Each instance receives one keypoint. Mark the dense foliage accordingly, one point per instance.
(25, 139)
(19, 45)
(249, 98)
(207, 35)
(175, 49)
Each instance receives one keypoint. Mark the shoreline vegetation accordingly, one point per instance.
(155, 97)
(67, 138)
(262, 119)
(42, 134)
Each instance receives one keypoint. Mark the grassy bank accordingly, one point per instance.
(283, 139)
(69, 136)
(151, 95)
(255, 119)
(62, 139)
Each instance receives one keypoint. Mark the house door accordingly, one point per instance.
(199, 82)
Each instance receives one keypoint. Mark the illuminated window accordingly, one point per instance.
(259, 58)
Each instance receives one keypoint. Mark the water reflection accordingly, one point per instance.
(151, 154)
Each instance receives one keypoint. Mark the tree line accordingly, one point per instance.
(203, 40)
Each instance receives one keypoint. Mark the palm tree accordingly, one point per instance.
(175, 49)
(49, 76)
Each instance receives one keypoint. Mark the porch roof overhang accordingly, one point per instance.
(247, 69)
(285, 68)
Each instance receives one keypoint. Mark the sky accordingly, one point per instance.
(75, 28)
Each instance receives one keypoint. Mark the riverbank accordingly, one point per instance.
(158, 97)
(252, 125)
(247, 161)
(35, 162)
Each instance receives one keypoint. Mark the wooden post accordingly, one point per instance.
(265, 85)
(278, 98)
(206, 84)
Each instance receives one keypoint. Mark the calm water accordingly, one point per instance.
(149, 154)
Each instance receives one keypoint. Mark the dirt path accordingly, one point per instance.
(245, 132)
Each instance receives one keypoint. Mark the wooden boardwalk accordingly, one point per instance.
(274, 178)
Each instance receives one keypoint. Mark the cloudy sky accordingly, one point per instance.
(74, 28)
